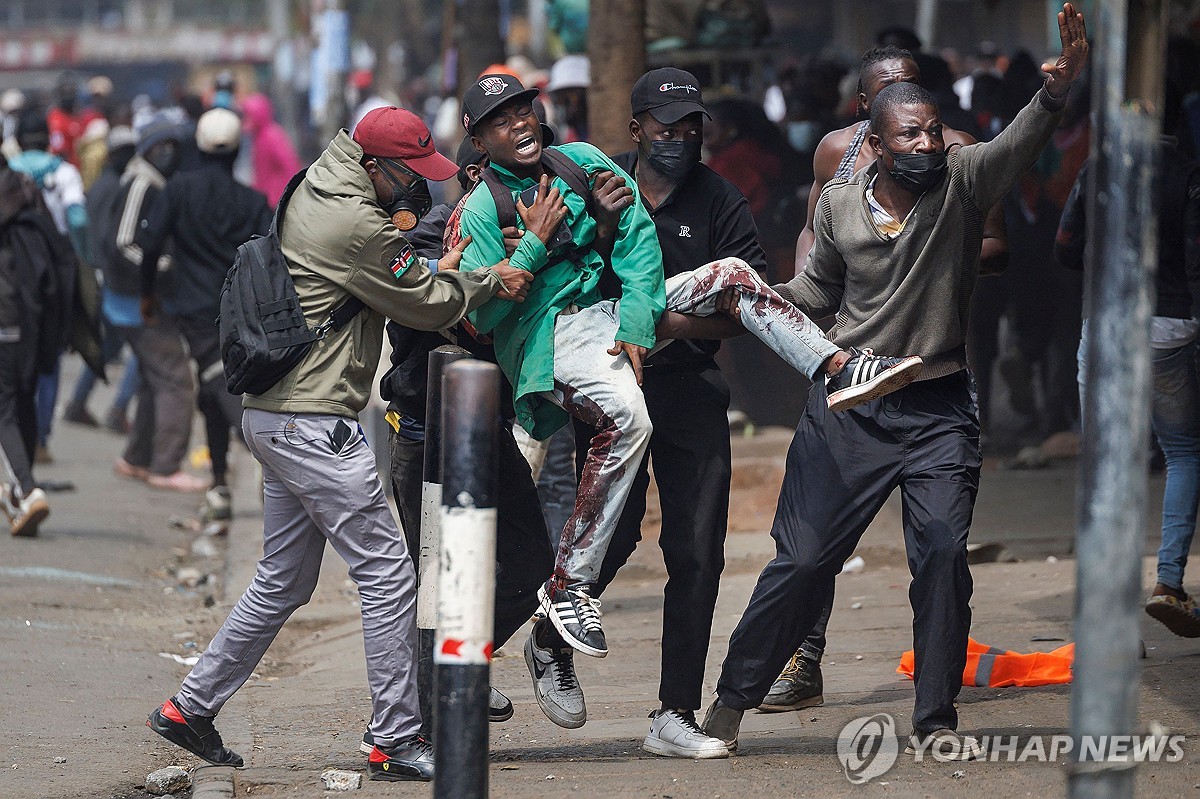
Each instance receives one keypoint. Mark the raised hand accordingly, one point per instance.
(612, 197)
(1066, 69)
(548, 210)
(449, 262)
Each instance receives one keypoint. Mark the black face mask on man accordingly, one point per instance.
(165, 158)
(409, 203)
(917, 172)
(674, 159)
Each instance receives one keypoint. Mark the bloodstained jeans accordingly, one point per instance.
(601, 391)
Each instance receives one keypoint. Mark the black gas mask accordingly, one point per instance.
(409, 203)
(917, 172)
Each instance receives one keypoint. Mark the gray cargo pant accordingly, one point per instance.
(601, 391)
(319, 483)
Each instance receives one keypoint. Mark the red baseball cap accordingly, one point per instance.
(395, 133)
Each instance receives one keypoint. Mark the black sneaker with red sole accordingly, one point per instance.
(407, 760)
(193, 733)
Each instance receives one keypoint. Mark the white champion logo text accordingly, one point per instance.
(687, 87)
(685, 232)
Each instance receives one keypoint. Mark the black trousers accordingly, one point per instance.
(689, 450)
(18, 413)
(221, 410)
(524, 560)
(841, 468)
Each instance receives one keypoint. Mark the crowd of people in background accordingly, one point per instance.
(126, 206)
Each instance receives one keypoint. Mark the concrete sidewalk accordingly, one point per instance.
(307, 707)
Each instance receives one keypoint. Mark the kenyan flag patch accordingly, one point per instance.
(403, 260)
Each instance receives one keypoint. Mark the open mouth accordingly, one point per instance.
(526, 145)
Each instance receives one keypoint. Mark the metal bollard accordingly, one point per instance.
(431, 517)
(466, 578)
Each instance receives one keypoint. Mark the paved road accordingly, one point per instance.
(86, 608)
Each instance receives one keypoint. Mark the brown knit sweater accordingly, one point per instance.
(911, 295)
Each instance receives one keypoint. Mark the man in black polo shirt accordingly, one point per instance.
(701, 218)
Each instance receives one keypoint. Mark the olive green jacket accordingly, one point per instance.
(339, 242)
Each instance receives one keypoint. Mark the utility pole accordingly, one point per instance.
(927, 15)
(477, 38)
(284, 69)
(617, 49)
(331, 24)
(1122, 233)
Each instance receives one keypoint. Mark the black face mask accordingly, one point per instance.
(165, 160)
(918, 172)
(409, 203)
(674, 159)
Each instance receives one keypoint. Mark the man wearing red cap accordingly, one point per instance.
(338, 232)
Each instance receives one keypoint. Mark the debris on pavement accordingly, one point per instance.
(337, 780)
(855, 565)
(190, 660)
(169, 780)
(989, 552)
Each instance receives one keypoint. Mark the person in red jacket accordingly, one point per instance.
(66, 126)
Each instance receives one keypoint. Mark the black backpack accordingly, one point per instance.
(554, 162)
(262, 328)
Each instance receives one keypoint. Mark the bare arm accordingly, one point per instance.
(825, 163)
(677, 325)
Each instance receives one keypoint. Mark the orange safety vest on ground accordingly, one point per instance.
(999, 668)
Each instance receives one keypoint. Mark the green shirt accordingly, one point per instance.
(524, 332)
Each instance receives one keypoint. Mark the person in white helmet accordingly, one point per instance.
(570, 79)
(207, 215)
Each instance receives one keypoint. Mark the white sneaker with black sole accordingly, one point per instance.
(500, 708)
(554, 682)
(675, 733)
(944, 745)
(576, 616)
(867, 376)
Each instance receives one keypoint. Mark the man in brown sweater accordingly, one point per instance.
(896, 258)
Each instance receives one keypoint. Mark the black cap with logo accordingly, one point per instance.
(669, 94)
(488, 93)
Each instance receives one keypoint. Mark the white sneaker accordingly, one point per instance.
(10, 506)
(554, 682)
(218, 505)
(676, 734)
(31, 512)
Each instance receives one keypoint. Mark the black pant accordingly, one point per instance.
(221, 410)
(524, 560)
(18, 413)
(689, 450)
(841, 468)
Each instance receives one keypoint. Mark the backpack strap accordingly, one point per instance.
(506, 207)
(285, 198)
(340, 316)
(557, 164)
(572, 174)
